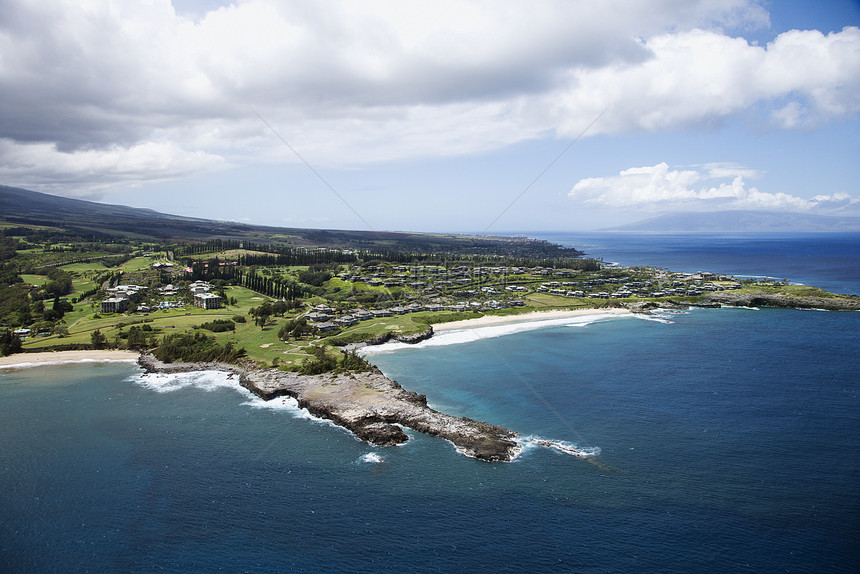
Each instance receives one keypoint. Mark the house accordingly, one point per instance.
(325, 326)
(362, 315)
(316, 317)
(207, 300)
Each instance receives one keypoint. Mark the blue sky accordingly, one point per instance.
(438, 116)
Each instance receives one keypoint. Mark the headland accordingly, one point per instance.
(369, 404)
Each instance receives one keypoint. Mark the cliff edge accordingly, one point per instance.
(369, 404)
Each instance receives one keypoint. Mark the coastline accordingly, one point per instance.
(370, 405)
(530, 317)
(23, 360)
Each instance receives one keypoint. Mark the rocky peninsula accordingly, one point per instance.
(369, 404)
(764, 299)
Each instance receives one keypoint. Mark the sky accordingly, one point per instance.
(471, 116)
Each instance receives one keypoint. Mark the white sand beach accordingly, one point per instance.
(535, 316)
(20, 360)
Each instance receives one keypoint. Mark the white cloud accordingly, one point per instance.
(348, 83)
(698, 76)
(661, 188)
(98, 169)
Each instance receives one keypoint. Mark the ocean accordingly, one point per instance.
(717, 441)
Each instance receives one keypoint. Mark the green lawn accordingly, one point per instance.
(82, 268)
(544, 301)
(38, 280)
(137, 264)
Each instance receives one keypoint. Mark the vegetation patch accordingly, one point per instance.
(196, 347)
(219, 326)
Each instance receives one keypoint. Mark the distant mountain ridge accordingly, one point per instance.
(32, 207)
(741, 221)
(101, 221)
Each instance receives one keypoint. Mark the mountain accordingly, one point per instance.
(101, 221)
(22, 206)
(741, 221)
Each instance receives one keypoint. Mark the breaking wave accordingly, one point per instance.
(655, 318)
(371, 458)
(202, 380)
(468, 335)
(214, 380)
(68, 362)
(529, 443)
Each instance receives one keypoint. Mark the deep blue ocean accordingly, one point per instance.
(722, 441)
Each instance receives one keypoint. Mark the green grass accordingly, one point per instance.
(137, 264)
(38, 280)
(89, 267)
(546, 301)
(262, 344)
(789, 290)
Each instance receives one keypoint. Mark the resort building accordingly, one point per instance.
(200, 287)
(207, 300)
(131, 292)
(114, 305)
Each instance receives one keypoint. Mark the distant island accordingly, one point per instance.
(286, 309)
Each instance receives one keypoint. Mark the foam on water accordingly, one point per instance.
(371, 458)
(468, 335)
(284, 404)
(70, 362)
(529, 443)
(655, 318)
(214, 380)
(202, 380)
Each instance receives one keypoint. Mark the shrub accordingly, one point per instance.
(219, 325)
(196, 347)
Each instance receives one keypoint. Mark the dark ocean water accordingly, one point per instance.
(830, 261)
(727, 441)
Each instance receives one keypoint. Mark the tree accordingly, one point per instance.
(98, 339)
(321, 362)
(136, 338)
(261, 314)
(10, 343)
(295, 328)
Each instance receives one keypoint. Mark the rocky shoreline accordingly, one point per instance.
(375, 408)
(370, 405)
(762, 299)
(756, 299)
(388, 337)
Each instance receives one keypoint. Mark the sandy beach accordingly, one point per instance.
(21, 360)
(33, 359)
(497, 320)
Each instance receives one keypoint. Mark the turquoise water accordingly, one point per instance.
(727, 442)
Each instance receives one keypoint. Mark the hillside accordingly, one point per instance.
(100, 221)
